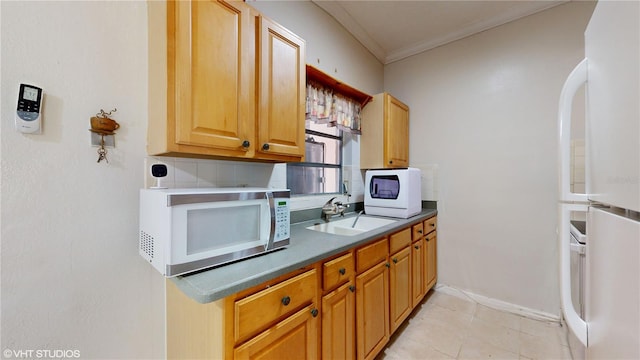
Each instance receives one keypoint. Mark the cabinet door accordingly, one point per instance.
(212, 75)
(294, 338)
(372, 311)
(338, 323)
(396, 130)
(400, 297)
(431, 260)
(418, 272)
(282, 92)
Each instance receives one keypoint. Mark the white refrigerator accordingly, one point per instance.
(610, 327)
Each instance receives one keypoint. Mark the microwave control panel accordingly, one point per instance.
(283, 223)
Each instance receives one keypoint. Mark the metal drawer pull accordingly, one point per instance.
(314, 312)
(286, 300)
(417, 247)
(352, 288)
(395, 260)
(342, 271)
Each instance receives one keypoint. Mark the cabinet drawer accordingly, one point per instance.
(370, 255)
(256, 312)
(337, 271)
(417, 231)
(430, 224)
(399, 240)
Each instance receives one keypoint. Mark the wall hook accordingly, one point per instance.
(103, 125)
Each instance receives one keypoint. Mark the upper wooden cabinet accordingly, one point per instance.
(384, 142)
(234, 80)
(282, 92)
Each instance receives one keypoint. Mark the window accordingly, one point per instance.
(331, 108)
(322, 170)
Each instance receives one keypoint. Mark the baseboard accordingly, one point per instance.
(497, 304)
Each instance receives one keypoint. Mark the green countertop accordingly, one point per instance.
(306, 247)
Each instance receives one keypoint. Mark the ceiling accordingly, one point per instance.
(395, 29)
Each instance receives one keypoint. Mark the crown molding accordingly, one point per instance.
(472, 29)
(336, 11)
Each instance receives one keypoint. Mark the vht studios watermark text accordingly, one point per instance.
(40, 354)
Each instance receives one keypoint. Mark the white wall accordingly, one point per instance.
(483, 109)
(71, 275)
(72, 278)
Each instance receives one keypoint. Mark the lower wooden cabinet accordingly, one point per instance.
(345, 307)
(418, 274)
(258, 311)
(400, 296)
(338, 323)
(372, 310)
(431, 271)
(294, 338)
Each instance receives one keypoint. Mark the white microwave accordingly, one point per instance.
(393, 192)
(185, 230)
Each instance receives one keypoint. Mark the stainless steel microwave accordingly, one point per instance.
(185, 230)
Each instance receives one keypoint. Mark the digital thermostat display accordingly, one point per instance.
(28, 117)
(30, 93)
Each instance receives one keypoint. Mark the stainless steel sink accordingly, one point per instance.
(345, 227)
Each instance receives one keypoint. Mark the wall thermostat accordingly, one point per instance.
(28, 118)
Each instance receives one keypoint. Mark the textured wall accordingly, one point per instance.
(484, 110)
(71, 275)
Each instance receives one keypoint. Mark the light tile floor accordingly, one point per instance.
(448, 327)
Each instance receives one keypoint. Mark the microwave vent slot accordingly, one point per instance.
(146, 244)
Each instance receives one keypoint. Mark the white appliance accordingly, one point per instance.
(185, 230)
(393, 192)
(610, 328)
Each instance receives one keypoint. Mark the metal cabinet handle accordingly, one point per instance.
(395, 260)
(342, 271)
(417, 247)
(420, 231)
(387, 265)
(246, 144)
(352, 288)
(314, 312)
(286, 300)
(265, 146)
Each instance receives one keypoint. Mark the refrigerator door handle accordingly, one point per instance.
(576, 324)
(577, 248)
(576, 79)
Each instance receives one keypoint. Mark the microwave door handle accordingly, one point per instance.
(272, 212)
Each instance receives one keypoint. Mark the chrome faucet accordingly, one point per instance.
(331, 208)
(357, 217)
